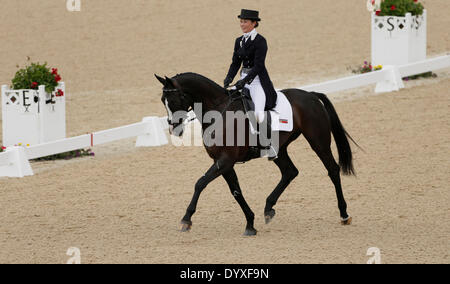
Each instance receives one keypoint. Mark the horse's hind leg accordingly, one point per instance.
(320, 143)
(288, 172)
(233, 183)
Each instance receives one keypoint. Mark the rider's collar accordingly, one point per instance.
(251, 34)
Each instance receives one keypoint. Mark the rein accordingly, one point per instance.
(231, 98)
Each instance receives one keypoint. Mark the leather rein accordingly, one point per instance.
(231, 98)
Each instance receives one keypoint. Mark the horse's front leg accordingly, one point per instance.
(217, 169)
(233, 183)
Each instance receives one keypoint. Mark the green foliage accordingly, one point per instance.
(68, 155)
(399, 8)
(34, 75)
(422, 75)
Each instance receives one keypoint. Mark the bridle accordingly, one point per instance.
(233, 96)
(184, 97)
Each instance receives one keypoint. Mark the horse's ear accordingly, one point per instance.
(169, 82)
(160, 79)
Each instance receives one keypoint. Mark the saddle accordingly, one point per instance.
(249, 105)
(280, 118)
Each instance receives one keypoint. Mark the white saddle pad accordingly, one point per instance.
(282, 117)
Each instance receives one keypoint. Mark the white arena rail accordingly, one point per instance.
(388, 79)
(428, 65)
(150, 132)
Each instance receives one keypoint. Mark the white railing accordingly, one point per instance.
(149, 132)
(389, 78)
(428, 65)
(149, 127)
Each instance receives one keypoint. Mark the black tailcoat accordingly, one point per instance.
(252, 55)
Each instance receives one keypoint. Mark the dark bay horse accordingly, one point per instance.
(313, 116)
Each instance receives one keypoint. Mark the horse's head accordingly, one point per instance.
(177, 104)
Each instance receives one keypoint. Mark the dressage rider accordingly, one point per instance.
(250, 50)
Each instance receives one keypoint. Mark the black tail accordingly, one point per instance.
(340, 137)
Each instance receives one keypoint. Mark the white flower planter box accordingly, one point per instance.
(399, 40)
(33, 116)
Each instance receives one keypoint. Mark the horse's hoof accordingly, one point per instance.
(346, 221)
(186, 226)
(250, 232)
(268, 216)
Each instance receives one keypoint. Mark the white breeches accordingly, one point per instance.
(258, 97)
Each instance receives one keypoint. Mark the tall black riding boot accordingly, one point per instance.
(268, 149)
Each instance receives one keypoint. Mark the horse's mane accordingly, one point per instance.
(198, 77)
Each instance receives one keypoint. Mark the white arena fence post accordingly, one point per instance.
(155, 134)
(14, 163)
(393, 80)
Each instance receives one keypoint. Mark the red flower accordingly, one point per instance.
(60, 93)
(392, 7)
(57, 78)
(54, 71)
(3, 148)
(34, 85)
(377, 13)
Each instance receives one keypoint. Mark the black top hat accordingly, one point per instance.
(249, 15)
